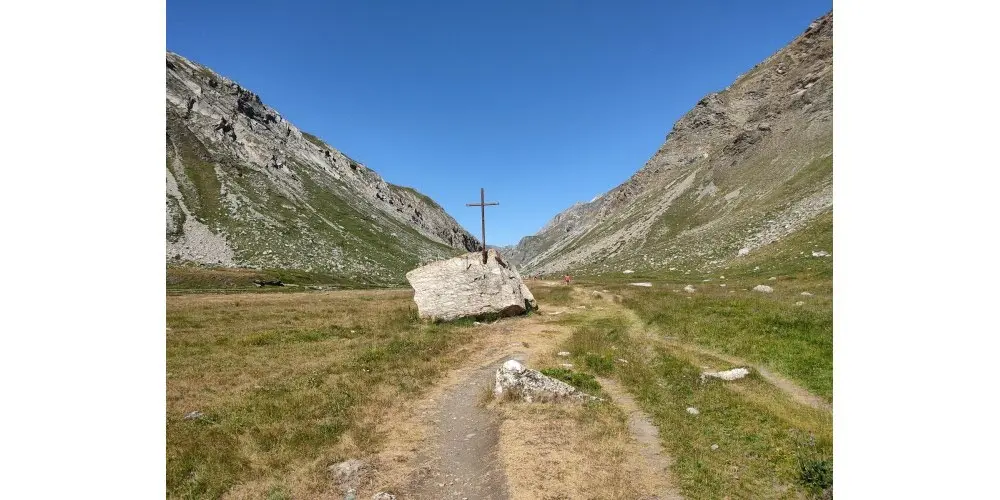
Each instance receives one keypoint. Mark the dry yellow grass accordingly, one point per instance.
(288, 384)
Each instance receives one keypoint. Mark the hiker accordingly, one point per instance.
(566, 279)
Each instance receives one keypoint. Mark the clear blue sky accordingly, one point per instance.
(543, 103)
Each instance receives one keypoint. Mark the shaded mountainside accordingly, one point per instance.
(746, 167)
(247, 188)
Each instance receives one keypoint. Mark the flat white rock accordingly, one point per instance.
(734, 374)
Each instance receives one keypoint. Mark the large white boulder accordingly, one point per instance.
(466, 286)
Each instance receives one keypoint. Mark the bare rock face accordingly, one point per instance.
(531, 385)
(466, 286)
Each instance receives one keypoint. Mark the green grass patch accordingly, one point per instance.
(796, 341)
(583, 381)
(756, 429)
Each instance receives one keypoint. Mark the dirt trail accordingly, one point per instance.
(647, 435)
(450, 448)
(463, 463)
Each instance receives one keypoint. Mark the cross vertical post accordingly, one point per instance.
(482, 206)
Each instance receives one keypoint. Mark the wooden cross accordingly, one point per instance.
(482, 205)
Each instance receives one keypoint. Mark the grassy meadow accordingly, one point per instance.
(286, 384)
(289, 383)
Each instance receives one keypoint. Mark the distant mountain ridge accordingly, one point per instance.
(247, 188)
(744, 168)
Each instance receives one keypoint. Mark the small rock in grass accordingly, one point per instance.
(689, 289)
(715, 447)
(772, 278)
(799, 303)
(821, 253)
(734, 374)
(692, 410)
(723, 285)
(763, 288)
(348, 473)
(194, 415)
(646, 284)
(562, 353)
(531, 385)
(625, 361)
(383, 496)
(628, 271)
(806, 294)
(743, 251)
(566, 365)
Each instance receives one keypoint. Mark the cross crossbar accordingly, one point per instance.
(482, 207)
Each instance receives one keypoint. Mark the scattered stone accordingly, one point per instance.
(383, 496)
(743, 251)
(466, 286)
(799, 303)
(772, 278)
(689, 289)
(821, 253)
(476, 323)
(628, 271)
(692, 410)
(194, 415)
(722, 277)
(723, 285)
(673, 269)
(763, 288)
(756, 268)
(348, 474)
(566, 365)
(806, 294)
(727, 375)
(623, 361)
(645, 283)
(714, 447)
(562, 354)
(531, 385)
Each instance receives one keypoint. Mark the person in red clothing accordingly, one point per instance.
(566, 279)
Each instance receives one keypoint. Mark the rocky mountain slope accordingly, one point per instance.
(247, 188)
(746, 167)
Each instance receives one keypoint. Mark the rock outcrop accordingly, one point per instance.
(465, 286)
(514, 379)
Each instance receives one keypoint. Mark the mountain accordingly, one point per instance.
(744, 168)
(246, 188)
